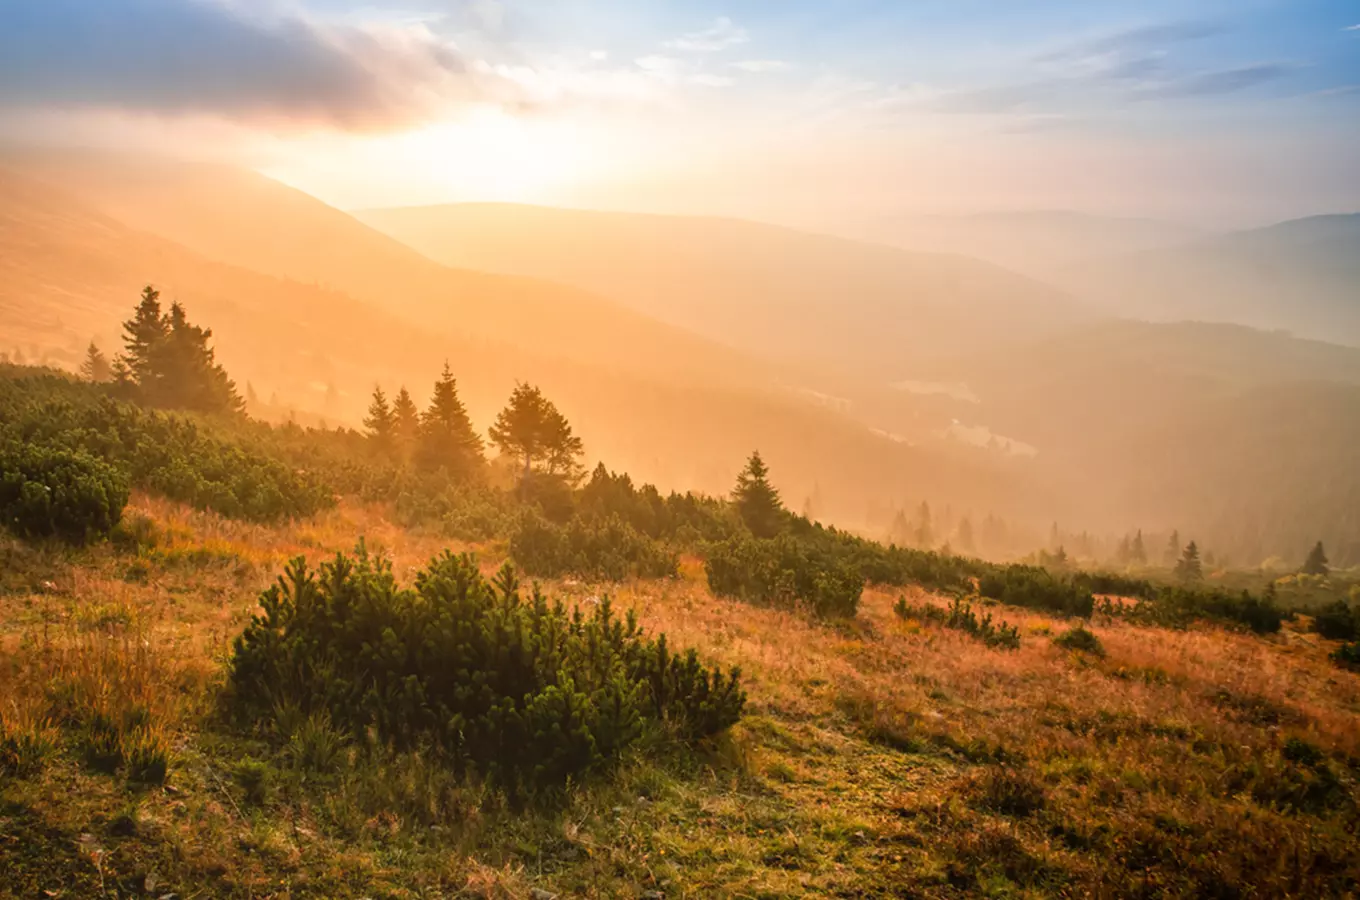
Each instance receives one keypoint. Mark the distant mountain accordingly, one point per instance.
(1301, 276)
(767, 290)
(1037, 243)
(647, 398)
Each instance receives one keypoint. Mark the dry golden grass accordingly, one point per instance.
(877, 758)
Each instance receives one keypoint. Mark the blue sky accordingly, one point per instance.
(781, 109)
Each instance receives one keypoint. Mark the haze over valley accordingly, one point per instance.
(491, 449)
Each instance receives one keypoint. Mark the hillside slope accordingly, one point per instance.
(69, 273)
(1301, 276)
(774, 291)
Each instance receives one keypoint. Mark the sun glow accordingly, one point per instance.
(484, 155)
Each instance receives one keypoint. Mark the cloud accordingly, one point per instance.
(761, 66)
(1351, 28)
(211, 57)
(723, 33)
(1222, 81)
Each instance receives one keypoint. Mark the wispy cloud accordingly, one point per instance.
(205, 57)
(1351, 28)
(1222, 81)
(760, 65)
(722, 34)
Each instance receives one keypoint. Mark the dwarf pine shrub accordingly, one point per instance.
(785, 572)
(606, 549)
(510, 687)
(961, 616)
(50, 491)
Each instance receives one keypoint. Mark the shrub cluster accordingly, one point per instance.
(1347, 656)
(1337, 621)
(961, 617)
(48, 491)
(1176, 607)
(222, 466)
(606, 549)
(1036, 588)
(1080, 638)
(785, 572)
(520, 691)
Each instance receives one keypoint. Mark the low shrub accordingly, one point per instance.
(1347, 656)
(1081, 638)
(961, 617)
(1036, 588)
(1337, 621)
(49, 491)
(516, 689)
(785, 572)
(599, 549)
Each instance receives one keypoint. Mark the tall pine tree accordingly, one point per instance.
(405, 422)
(757, 501)
(168, 361)
(1317, 562)
(380, 422)
(96, 366)
(1188, 567)
(532, 431)
(447, 439)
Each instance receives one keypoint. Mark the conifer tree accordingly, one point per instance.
(405, 421)
(532, 430)
(447, 439)
(96, 366)
(167, 361)
(925, 534)
(964, 535)
(757, 501)
(380, 422)
(1317, 562)
(144, 338)
(1173, 550)
(1137, 552)
(1188, 567)
(1123, 552)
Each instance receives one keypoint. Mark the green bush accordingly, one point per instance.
(1178, 606)
(1347, 656)
(961, 617)
(1036, 588)
(785, 572)
(1081, 638)
(598, 549)
(1337, 622)
(519, 690)
(48, 491)
(230, 467)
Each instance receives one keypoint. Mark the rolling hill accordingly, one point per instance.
(780, 293)
(1301, 276)
(654, 400)
(1038, 243)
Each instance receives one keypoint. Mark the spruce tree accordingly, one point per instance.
(380, 422)
(1188, 567)
(96, 366)
(520, 429)
(757, 501)
(405, 421)
(144, 338)
(1173, 550)
(925, 534)
(964, 535)
(193, 379)
(1137, 552)
(1317, 562)
(447, 439)
(532, 430)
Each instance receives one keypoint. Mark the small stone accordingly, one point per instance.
(653, 895)
(540, 894)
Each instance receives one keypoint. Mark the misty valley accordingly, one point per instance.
(513, 451)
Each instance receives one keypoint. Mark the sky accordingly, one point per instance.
(796, 111)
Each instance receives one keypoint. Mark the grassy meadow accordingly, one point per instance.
(878, 756)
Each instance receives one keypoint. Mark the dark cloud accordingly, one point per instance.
(206, 56)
